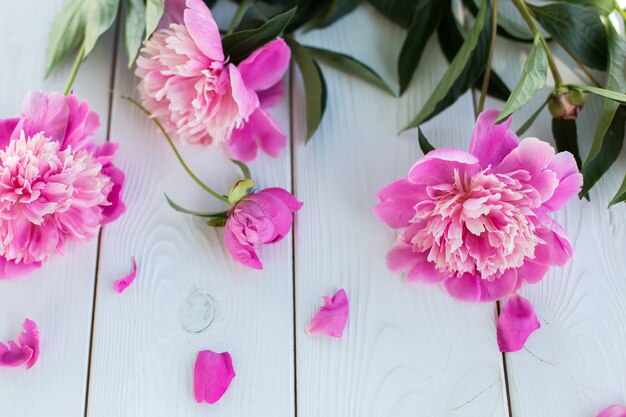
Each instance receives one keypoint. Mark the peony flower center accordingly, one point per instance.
(480, 223)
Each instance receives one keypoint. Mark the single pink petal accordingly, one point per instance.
(11, 270)
(331, 318)
(30, 338)
(173, 13)
(212, 375)
(246, 99)
(203, 29)
(397, 201)
(123, 283)
(242, 144)
(266, 66)
(12, 356)
(401, 257)
(285, 196)
(7, 126)
(439, 166)
(516, 322)
(48, 113)
(272, 96)
(270, 136)
(532, 155)
(244, 254)
(464, 288)
(615, 410)
(490, 142)
(426, 272)
(557, 249)
(570, 180)
(499, 287)
(532, 272)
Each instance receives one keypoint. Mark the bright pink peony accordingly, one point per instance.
(55, 183)
(258, 219)
(479, 222)
(189, 85)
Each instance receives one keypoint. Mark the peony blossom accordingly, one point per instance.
(615, 410)
(258, 219)
(212, 375)
(331, 318)
(189, 85)
(55, 183)
(26, 352)
(478, 222)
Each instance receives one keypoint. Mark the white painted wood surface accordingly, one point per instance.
(407, 350)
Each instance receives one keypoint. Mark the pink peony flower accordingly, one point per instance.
(258, 219)
(55, 183)
(479, 222)
(189, 85)
(615, 410)
(26, 353)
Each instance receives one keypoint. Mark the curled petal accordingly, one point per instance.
(30, 338)
(397, 202)
(243, 253)
(491, 142)
(266, 66)
(615, 410)
(331, 318)
(12, 356)
(260, 130)
(212, 375)
(570, 180)
(246, 99)
(123, 283)
(203, 29)
(557, 249)
(516, 322)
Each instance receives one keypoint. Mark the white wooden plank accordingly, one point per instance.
(574, 365)
(408, 350)
(58, 296)
(143, 355)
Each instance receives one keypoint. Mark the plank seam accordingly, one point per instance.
(293, 236)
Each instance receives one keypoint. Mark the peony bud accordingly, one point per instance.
(566, 104)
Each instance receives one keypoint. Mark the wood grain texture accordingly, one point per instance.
(407, 350)
(575, 364)
(144, 344)
(59, 296)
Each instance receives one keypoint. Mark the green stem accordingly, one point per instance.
(532, 25)
(80, 57)
(180, 158)
(492, 44)
(243, 6)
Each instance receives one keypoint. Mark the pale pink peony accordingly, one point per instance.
(258, 219)
(189, 85)
(479, 222)
(55, 183)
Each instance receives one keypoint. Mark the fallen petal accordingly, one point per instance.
(615, 410)
(122, 284)
(13, 355)
(29, 338)
(331, 318)
(212, 374)
(516, 322)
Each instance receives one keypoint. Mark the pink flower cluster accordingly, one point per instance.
(189, 85)
(55, 183)
(479, 222)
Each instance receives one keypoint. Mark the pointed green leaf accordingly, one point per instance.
(334, 12)
(154, 11)
(308, 10)
(239, 45)
(243, 167)
(605, 7)
(252, 19)
(533, 79)
(134, 26)
(425, 20)
(193, 213)
(67, 33)
(350, 66)
(425, 145)
(457, 78)
(566, 137)
(620, 195)
(398, 11)
(100, 16)
(611, 95)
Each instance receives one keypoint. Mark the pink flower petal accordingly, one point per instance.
(490, 142)
(123, 283)
(26, 352)
(532, 272)
(260, 130)
(557, 249)
(173, 13)
(615, 410)
(272, 96)
(11, 270)
(30, 338)
(7, 126)
(203, 29)
(516, 322)
(242, 253)
(265, 66)
(397, 201)
(532, 155)
(499, 287)
(570, 180)
(212, 375)
(426, 273)
(331, 318)
(246, 99)
(438, 166)
(464, 288)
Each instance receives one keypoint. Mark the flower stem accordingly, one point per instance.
(243, 6)
(180, 158)
(492, 44)
(80, 56)
(532, 25)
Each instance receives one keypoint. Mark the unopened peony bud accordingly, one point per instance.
(566, 104)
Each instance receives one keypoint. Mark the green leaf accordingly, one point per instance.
(605, 7)
(351, 66)
(243, 167)
(193, 213)
(100, 16)
(566, 138)
(425, 145)
(610, 94)
(334, 12)
(252, 19)
(511, 24)
(241, 44)
(425, 20)
(154, 11)
(461, 73)
(620, 195)
(615, 81)
(314, 86)
(307, 11)
(398, 11)
(134, 26)
(610, 148)
(533, 79)
(578, 29)
(528, 123)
